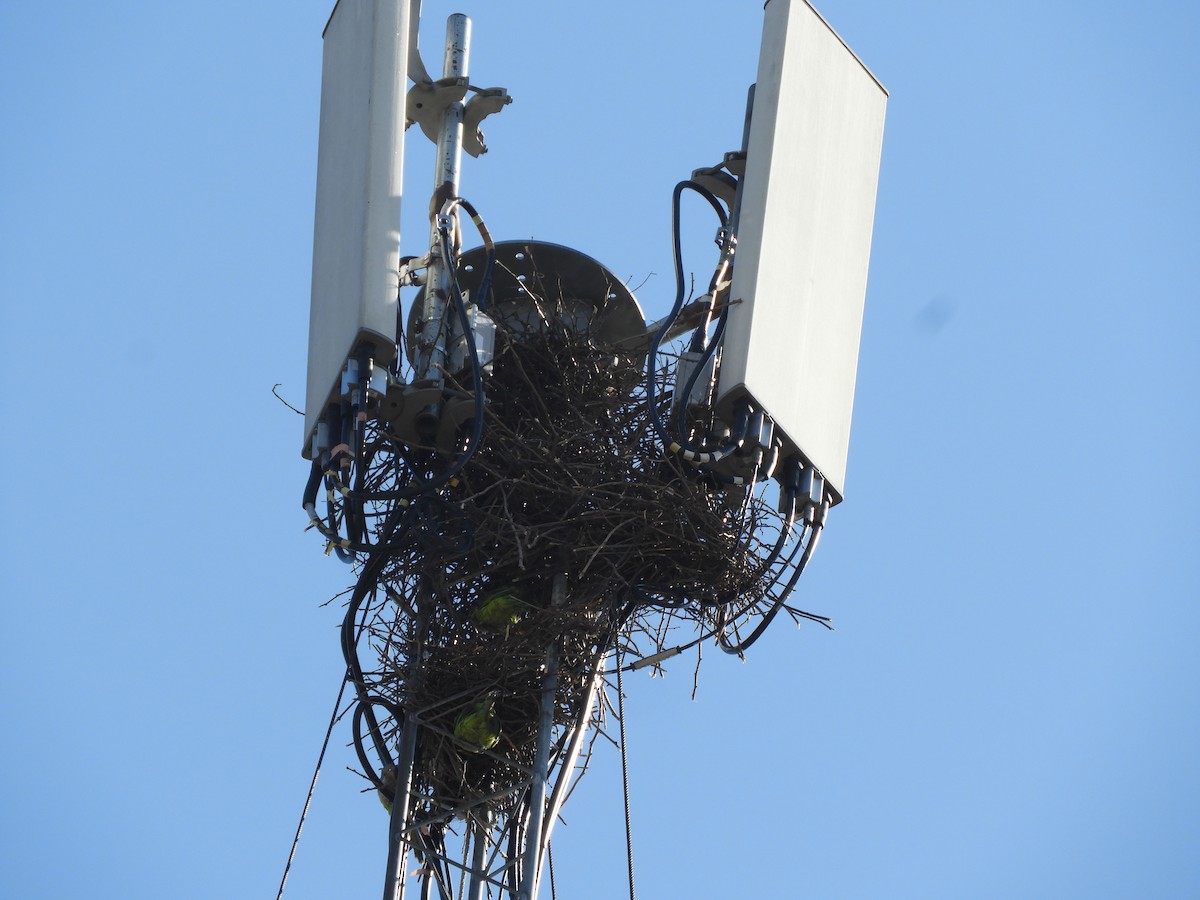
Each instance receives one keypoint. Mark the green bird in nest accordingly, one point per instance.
(501, 610)
(388, 779)
(479, 725)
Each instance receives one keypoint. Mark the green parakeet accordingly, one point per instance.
(388, 778)
(500, 610)
(479, 725)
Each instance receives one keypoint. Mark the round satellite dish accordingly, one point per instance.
(534, 282)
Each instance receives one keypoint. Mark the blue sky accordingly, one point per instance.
(1010, 706)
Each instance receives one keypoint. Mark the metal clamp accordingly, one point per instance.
(426, 104)
(486, 102)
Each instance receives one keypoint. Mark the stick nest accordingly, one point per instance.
(570, 485)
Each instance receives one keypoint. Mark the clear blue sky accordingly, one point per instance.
(1010, 706)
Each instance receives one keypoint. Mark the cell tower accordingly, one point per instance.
(539, 490)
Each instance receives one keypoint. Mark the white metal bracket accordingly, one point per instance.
(427, 103)
(486, 102)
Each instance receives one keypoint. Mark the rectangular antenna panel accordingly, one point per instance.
(804, 237)
(360, 158)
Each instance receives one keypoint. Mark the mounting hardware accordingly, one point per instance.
(486, 102)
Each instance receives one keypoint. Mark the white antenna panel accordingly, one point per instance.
(360, 157)
(804, 238)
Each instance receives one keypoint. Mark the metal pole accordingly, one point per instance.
(446, 174)
(393, 886)
(479, 857)
(541, 765)
(567, 767)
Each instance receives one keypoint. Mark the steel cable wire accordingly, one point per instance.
(625, 773)
(312, 786)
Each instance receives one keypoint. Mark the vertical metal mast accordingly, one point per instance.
(398, 841)
(537, 834)
(446, 175)
(428, 368)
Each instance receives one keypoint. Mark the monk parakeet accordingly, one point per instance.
(500, 610)
(388, 779)
(479, 725)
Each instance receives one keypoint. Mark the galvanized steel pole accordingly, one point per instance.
(479, 858)
(447, 167)
(567, 766)
(541, 766)
(398, 842)
(393, 888)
